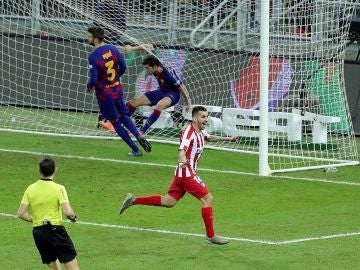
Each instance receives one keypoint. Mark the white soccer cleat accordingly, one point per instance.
(128, 201)
(135, 154)
(217, 240)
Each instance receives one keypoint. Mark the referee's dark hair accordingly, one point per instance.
(97, 32)
(47, 166)
(151, 60)
(197, 109)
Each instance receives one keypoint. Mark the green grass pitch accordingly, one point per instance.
(261, 215)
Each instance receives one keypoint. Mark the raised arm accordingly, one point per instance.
(185, 94)
(129, 48)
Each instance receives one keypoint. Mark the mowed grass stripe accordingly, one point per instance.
(161, 231)
(91, 158)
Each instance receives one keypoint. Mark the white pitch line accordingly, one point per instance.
(124, 227)
(266, 242)
(172, 166)
(286, 242)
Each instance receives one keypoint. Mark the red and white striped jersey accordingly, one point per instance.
(192, 142)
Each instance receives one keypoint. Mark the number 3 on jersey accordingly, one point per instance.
(110, 70)
(110, 66)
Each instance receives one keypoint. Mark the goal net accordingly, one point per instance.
(214, 48)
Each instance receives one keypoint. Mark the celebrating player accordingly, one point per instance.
(46, 200)
(107, 64)
(185, 179)
(168, 93)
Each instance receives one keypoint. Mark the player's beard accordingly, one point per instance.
(92, 43)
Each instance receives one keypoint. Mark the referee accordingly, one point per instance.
(47, 200)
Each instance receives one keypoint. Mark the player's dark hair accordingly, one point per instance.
(151, 61)
(47, 166)
(97, 32)
(197, 109)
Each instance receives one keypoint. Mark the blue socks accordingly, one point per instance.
(125, 135)
(129, 124)
(151, 120)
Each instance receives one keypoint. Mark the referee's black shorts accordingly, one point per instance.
(53, 243)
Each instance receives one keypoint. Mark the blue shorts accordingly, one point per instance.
(157, 95)
(112, 109)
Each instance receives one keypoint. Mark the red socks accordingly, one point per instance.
(207, 215)
(131, 107)
(206, 212)
(157, 112)
(149, 200)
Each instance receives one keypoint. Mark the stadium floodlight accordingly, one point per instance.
(224, 53)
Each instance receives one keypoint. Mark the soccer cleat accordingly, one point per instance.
(108, 126)
(217, 240)
(135, 154)
(145, 144)
(128, 201)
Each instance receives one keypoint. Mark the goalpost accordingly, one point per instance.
(272, 73)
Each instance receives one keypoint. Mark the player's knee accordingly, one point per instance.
(169, 205)
(168, 202)
(131, 104)
(159, 107)
(208, 199)
(53, 266)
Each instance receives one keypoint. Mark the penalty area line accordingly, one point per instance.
(239, 239)
(282, 177)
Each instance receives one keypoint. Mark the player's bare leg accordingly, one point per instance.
(137, 102)
(54, 265)
(72, 265)
(168, 201)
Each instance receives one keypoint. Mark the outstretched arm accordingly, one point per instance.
(213, 138)
(129, 48)
(185, 94)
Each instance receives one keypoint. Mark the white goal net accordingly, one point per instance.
(213, 46)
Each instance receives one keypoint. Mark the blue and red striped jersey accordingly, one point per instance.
(168, 80)
(106, 65)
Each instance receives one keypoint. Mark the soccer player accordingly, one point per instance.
(185, 180)
(106, 65)
(168, 93)
(47, 201)
(103, 122)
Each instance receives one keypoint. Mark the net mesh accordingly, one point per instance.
(213, 47)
